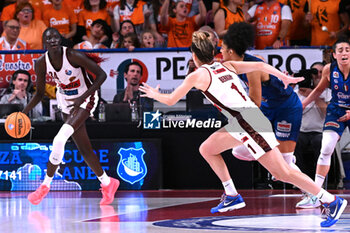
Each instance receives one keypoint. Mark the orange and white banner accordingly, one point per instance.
(9, 63)
(167, 68)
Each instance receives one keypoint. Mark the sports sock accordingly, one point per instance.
(47, 180)
(104, 179)
(325, 197)
(230, 188)
(319, 180)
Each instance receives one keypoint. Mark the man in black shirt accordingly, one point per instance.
(131, 93)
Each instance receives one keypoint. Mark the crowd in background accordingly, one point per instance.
(92, 24)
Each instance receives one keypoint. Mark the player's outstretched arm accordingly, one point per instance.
(168, 99)
(246, 67)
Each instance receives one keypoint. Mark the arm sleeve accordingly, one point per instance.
(286, 13)
(252, 10)
(116, 12)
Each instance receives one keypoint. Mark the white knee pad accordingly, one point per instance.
(290, 159)
(241, 152)
(59, 142)
(329, 140)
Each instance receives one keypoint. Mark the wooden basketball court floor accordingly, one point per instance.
(165, 211)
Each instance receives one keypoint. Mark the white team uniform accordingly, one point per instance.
(246, 122)
(71, 83)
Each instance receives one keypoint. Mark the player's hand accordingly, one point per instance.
(291, 80)
(303, 103)
(76, 102)
(148, 91)
(346, 117)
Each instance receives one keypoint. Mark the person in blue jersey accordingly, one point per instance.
(280, 105)
(336, 76)
(246, 124)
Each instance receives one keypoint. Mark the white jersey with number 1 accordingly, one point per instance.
(246, 122)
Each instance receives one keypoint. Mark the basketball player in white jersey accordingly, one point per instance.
(247, 125)
(77, 98)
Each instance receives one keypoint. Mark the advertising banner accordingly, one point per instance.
(167, 68)
(135, 163)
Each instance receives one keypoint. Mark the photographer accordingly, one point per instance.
(310, 136)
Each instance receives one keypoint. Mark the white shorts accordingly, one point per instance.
(89, 104)
(254, 130)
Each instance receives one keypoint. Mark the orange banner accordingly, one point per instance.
(9, 63)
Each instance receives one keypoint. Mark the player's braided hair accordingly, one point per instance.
(202, 46)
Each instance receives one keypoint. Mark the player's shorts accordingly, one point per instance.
(89, 104)
(331, 122)
(286, 118)
(254, 130)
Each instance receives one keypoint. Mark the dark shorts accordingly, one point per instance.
(332, 123)
(286, 118)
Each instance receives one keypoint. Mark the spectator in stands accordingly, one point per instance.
(111, 4)
(98, 30)
(344, 12)
(147, 39)
(132, 75)
(325, 21)
(181, 27)
(10, 40)
(31, 29)
(75, 5)
(41, 4)
(211, 6)
(272, 21)
(9, 11)
(125, 27)
(298, 33)
(134, 10)
(63, 18)
(20, 92)
(152, 22)
(130, 41)
(93, 9)
(310, 136)
(229, 13)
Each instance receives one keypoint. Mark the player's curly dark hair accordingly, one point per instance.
(239, 37)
